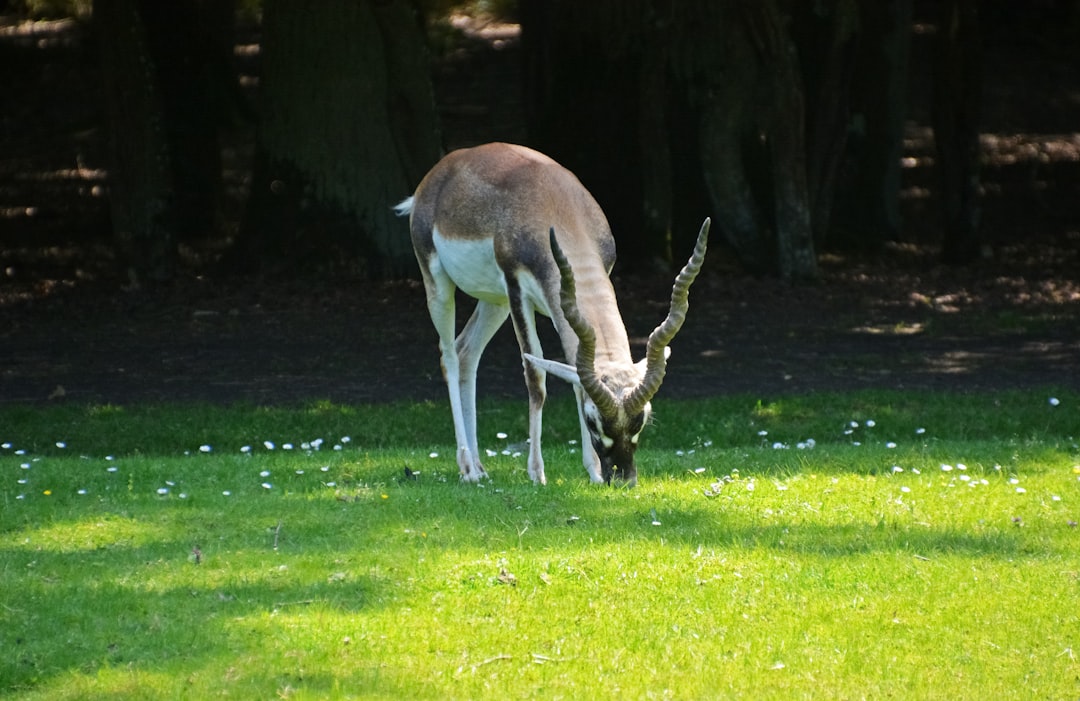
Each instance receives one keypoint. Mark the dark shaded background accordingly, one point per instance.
(71, 332)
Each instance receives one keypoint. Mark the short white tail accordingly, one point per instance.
(404, 208)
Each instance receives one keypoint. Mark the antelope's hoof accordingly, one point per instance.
(473, 474)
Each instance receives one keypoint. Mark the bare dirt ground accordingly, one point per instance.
(273, 344)
(70, 331)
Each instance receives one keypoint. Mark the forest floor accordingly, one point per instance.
(70, 331)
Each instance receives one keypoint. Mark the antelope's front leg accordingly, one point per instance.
(589, 458)
(536, 382)
(535, 379)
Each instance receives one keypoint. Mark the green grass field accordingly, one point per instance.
(866, 545)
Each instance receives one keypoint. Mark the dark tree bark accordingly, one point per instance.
(165, 67)
(871, 216)
(589, 86)
(191, 43)
(827, 34)
(670, 110)
(717, 60)
(140, 180)
(737, 65)
(957, 98)
(348, 128)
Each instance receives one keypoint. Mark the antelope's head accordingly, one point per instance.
(616, 398)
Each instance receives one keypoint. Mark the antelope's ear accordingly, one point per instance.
(559, 370)
(644, 362)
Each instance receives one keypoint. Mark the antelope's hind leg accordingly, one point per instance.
(440, 291)
(482, 325)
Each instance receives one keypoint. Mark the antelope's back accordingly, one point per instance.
(512, 196)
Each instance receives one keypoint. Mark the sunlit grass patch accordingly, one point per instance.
(883, 544)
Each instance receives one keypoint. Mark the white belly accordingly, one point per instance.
(472, 267)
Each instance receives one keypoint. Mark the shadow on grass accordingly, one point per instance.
(134, 608)
(181, 590)
(131, 594)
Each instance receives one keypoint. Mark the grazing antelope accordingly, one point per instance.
(519, 233)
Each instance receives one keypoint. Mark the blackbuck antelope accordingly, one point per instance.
(519, 233)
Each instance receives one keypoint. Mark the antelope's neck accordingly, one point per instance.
(601, 310)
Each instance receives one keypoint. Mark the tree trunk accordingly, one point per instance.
(166, 70)
(140, 183)
(667, 110)
(589, 86)
(348, 129)
(745, 73)
(787, 149)
(827, 36)
(871, 216)
(191, 44)
(957, 98)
